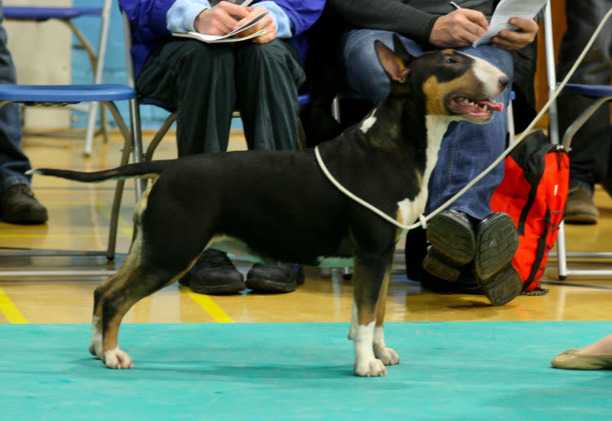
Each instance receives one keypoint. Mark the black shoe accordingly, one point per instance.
(19, 206)
(453, 245)
(214, 273)
(496, 243)
(279, 277)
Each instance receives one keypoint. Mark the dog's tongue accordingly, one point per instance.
(492, 105)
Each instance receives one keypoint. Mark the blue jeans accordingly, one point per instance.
(13, 162)
(467, 148)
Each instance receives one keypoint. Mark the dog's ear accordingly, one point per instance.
(400, 50)
(394, 65)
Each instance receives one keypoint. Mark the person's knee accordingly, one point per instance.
(364, 71)
(274, 53)
(203, 56)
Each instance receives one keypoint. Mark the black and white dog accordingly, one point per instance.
(281, 206)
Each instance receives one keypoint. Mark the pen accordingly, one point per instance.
(455, 5)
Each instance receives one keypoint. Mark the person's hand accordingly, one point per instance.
(221, 19)
(527, 30)
(458, 29)
(266, 24)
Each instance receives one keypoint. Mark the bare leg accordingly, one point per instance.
(604, 346)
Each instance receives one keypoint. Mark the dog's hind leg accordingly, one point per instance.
(387, 355)
(142, 274)
(367, 287)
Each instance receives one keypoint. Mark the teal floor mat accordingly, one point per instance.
(449, 371)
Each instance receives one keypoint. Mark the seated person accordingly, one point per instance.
(205, 83)
(467, 240)
(591, 152)
(17, 202)
(597, 356)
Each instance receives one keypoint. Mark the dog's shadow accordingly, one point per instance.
(186, 370)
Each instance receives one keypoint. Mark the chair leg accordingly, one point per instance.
(91, 129)
(104, 125)
(561, 253)
(141, 184)
(125, 159)
(159, 136)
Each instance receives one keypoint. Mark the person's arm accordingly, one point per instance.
(392, 16)
(302, 14)
(286, 18)
(182, 15)
(147, 17)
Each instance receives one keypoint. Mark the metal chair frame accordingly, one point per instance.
(95, 58)
(129, 147)
(562, 254)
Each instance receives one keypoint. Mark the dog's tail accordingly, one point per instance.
(143, 169)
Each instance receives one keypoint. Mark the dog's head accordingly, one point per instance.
(452, 83)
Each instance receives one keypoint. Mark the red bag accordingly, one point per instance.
(534, 193)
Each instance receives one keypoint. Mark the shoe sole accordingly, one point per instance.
(581, 219)
(496, 245)
(225, 289)
(268, 285)
(436, 266)
(26, 217)
(502, 287)
(452, 240)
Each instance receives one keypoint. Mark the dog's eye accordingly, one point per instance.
(451, 60)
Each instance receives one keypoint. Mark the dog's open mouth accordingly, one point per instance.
(480, 110)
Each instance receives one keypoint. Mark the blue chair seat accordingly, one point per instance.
(65, 94)
(597, 91)
(46, 13)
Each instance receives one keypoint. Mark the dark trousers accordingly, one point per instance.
(13, 162)
(206, 83)
(591, 147)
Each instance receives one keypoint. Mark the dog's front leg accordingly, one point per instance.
(367, 283)
(387, 355)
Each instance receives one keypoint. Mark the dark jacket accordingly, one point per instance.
(411, 18)
(148, 23)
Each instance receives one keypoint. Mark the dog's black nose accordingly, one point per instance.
(503, 82)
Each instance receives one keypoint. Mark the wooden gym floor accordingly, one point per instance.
(79, 215)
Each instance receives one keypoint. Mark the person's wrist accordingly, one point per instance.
(430, 28)
(199, 18)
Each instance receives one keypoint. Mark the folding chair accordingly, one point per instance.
(66, 15)
(601, 95)
(61, 95)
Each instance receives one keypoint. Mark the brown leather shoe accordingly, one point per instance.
(573, 360)
(580, 206)
(19, 206)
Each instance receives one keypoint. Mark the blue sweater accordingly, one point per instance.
(148, 22)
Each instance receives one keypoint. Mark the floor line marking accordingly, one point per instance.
(10, 310)
(210, 307)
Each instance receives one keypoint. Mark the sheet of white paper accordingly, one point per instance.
(229, 37)
(507, 9)
(216, 39)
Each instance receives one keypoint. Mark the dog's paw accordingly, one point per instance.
(388, 356)
(116, 358)
(370, 368)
